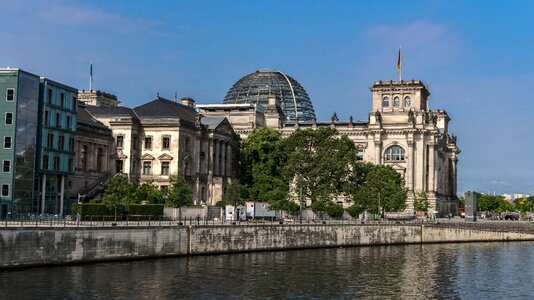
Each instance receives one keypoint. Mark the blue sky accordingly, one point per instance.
(476, 56)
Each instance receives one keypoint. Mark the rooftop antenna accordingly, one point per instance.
(157, 94)
(175, 96)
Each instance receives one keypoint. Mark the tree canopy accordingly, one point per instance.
(261, 161)
(318, 162)
(179, 193)
(384, 189)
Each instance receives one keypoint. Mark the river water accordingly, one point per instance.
(439, 271)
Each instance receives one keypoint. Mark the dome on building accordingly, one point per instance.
(258, 86)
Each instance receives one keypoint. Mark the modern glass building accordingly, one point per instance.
(39, 125)
(56, 149)
(258, 86)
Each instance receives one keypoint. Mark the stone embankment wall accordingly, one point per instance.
(39, 246)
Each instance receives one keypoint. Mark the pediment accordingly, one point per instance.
(165, 156)
(147, 156)
(225, 128)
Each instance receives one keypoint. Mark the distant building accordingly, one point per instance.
(401, 130)
(38, 143)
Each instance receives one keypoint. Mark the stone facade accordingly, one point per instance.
(401, 131)
(162, 138)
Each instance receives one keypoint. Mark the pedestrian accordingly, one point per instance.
(78, 217)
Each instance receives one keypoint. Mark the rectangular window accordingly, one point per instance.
(147, 166)
(74, 104)
(6, 166)
(49, 98)
(57, 163)
(166, 142)
(71, 144)
(7, 142)
(120, 141)
(134, 142)
(148, 143)
(9, 118)
(46, 118)
(58, 120)
(45, 162)
(68, 122)
(165, 168)
(10, 94)
(61, 142)
(50, 140)
(164, 188)
(5, 190)
(62, 99)
(71, 164)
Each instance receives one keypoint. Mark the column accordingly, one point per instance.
(43, 193)
(410, 174)
(223, 158)
(229, 160)
(209, 159)
(216, 158)
(431, 167)
(420, 165)
(61, 196)
(378, 152)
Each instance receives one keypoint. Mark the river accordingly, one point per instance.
(438, 271)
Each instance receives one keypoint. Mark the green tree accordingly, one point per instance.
(118, 193)
(285, 205)
(420, 201)
(356, 209)
(383, 189)
(461, 202)
(334, 210)
(235, 194)
(148, 192)
(260, 163)
(318, 163)
(523, 205)
(179, 193)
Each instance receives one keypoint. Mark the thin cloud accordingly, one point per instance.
(426, 43)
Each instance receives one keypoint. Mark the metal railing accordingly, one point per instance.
(138, 221)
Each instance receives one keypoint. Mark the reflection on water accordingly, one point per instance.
(445, 271)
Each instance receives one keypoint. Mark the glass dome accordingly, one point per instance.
(258, 86)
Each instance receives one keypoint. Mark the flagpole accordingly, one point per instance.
(91, 76)
(399, 63)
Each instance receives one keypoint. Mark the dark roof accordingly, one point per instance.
(110, 111)
(164, 108)
(83, 116)
(212, 122)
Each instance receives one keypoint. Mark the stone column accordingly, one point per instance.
(209, 159)
(431, 167)
(378, 152)
(216, 158)
(229, 160)
(420, 165)
(223, 158)
(454, 174)
(410, 172)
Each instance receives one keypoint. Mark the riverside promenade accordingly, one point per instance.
(35, 243)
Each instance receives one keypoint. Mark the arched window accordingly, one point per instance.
(385, 102)
(396, 101)
(407, 101)
(394, 153)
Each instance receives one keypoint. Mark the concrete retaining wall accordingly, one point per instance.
(36, 246)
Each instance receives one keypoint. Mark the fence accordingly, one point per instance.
(132, 221)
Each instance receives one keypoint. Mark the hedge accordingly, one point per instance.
(90, 211)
